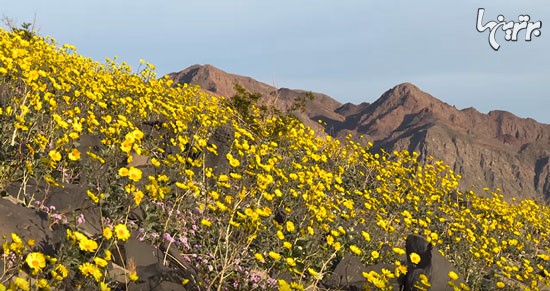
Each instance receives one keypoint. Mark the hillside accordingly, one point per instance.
(112, 179)
(494, 150)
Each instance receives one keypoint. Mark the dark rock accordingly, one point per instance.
(157, 268)
(28, 224)
(348, 274)
(432, 264)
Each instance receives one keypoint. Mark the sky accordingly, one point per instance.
(350, 50)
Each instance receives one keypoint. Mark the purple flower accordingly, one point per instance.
(167, 237)
(80, 219)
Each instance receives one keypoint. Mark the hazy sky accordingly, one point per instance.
(350, 50)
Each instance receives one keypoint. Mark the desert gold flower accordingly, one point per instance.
(107, 255)
(415, 258)
(43, 284)
(274, 255)
(354, 249)
(123, 172)
(259, 257)
(104, 286)
(134, 174)
(453, 275)
(399, 251)
(107, 233)
(138, 196)
(290, 226)
(54, 155)
(100, 262)
(59, 273)
(206, 222)
(88, 245)
(74, 155)
(88, 269)
(21, 283)
(121, 232)
(290, 262)
(36, 261)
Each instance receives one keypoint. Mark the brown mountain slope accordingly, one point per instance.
(495, 150)
(222, 83)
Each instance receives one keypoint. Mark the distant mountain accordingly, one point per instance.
(221, 83)
(492, 150)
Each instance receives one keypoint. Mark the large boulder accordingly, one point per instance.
(432, 264)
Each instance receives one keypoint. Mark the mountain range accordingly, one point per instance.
(493, 150)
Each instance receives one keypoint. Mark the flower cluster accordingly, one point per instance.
(272, 198)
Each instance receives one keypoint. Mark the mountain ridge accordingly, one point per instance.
(496, 149)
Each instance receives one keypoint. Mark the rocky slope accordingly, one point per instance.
(495, 150)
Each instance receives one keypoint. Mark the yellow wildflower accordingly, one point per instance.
(122, 232)
(36, 261)
(415, 258)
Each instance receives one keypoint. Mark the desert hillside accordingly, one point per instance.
(115, 179)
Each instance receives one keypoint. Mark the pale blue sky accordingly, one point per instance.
(350, 50)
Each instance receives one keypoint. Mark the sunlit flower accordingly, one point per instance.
(134, 174)
(121, 232)
(107, 233)
(88, 269)
(206, 222)
(55, 155)
(88, 245)
(36, 261)
(415, 258)
(74, 155)
(354, 249)
(274, 255)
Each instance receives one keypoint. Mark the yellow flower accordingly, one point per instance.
(501, 285)
(59, 273)
(399, 251)
(137, 134)
(375, 255)
(415, 258)
(43, 284)
(107, 255)
(453, 275)
(274, 255)
(55, 155)
(74, 155)
(354, 249)
(21, 283)
(312, 272)
(123, 172)
(283, 285)
(88, 245)
(104, 286)
(259, 257)
(88, 269)
(107, 233)
(138, 196)
(290, 226)
(36, 261)
(134, 174)
(290, 262)
(100, 262)
(232, 161)
(206, 222)
(122, 232)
